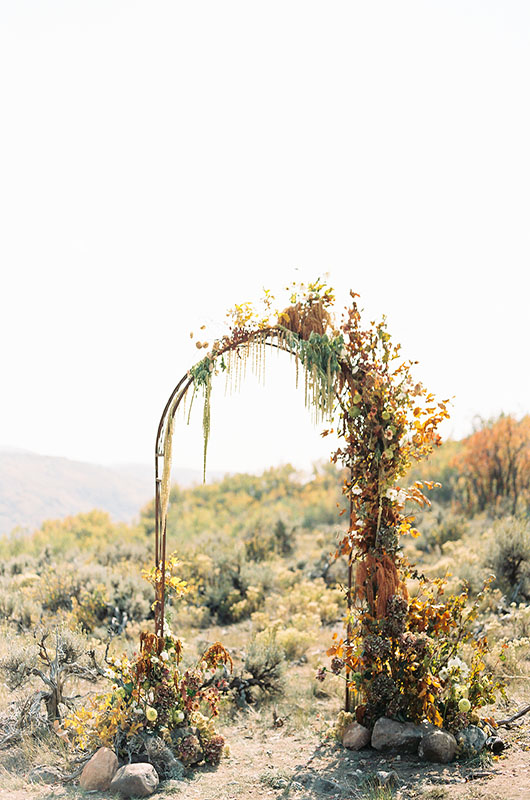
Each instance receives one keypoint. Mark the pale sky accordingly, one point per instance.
(160, 161)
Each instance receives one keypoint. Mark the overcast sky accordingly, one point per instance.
(161, 161)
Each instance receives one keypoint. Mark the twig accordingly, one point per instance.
(521, 713)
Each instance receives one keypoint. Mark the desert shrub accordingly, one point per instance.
(509, 557)
(233, 589)
(284, 541)
(53, 657)
(263, 544)
(440, 528)
(259, 546)
(18, 608)
(129, 595)
(19, 565)
(124, 551)
(306, 604)
(295, 642)
(265, 664)
(56, 589)
(317, 515)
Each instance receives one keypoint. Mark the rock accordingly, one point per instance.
(99, 771)
(471, 740)
(305, 779)
(495, 744)
(391, 735)
(135, 780)
(44, 774)
(388, 779)
(356, 736)
(163, 759)
(325, 785)
(438, 746)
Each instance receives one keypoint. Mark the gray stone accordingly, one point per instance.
(99, 771)
(356, 736)
(135, 780)
(163, 759)
(438, 746)
(390, 735)
(495, 744)
(471, 740)
(388, 779)
(325, 785)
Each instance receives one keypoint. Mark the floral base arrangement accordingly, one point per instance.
(156, 710)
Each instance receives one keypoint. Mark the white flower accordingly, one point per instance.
(457, 664)
(180, 716)
(392, 494)
(356, 490)
(164, 655)
(204, 665)
(401, 497)
(109, 673)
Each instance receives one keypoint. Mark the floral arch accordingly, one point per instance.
(355, 379)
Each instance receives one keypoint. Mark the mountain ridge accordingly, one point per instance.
(36, 487)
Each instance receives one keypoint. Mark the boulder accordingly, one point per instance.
(99, 771)
(355, 736)
(387, 779)
(471, 740)
(404, 737)
(438, 746)
(135, 780)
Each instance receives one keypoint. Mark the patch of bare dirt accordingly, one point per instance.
(266, 762)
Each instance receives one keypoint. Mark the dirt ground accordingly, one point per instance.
(278, 763)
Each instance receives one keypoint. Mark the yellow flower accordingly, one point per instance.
(151, 713)
(464, 705)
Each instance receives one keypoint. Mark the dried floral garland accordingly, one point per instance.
(356, 378)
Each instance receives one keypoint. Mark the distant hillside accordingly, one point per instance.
(34, 488)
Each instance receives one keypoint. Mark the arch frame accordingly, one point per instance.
(386, 420)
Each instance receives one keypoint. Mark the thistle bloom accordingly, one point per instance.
(464, 705)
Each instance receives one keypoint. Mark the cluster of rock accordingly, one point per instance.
(103, 773)
(426, 740)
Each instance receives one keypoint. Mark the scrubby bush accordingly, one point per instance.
(234, 588)
(54, 657)
(263, 671)
(509, 557)
(439, 528)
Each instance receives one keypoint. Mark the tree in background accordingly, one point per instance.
(494, 465)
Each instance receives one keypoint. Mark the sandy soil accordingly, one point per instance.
(278, 763)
